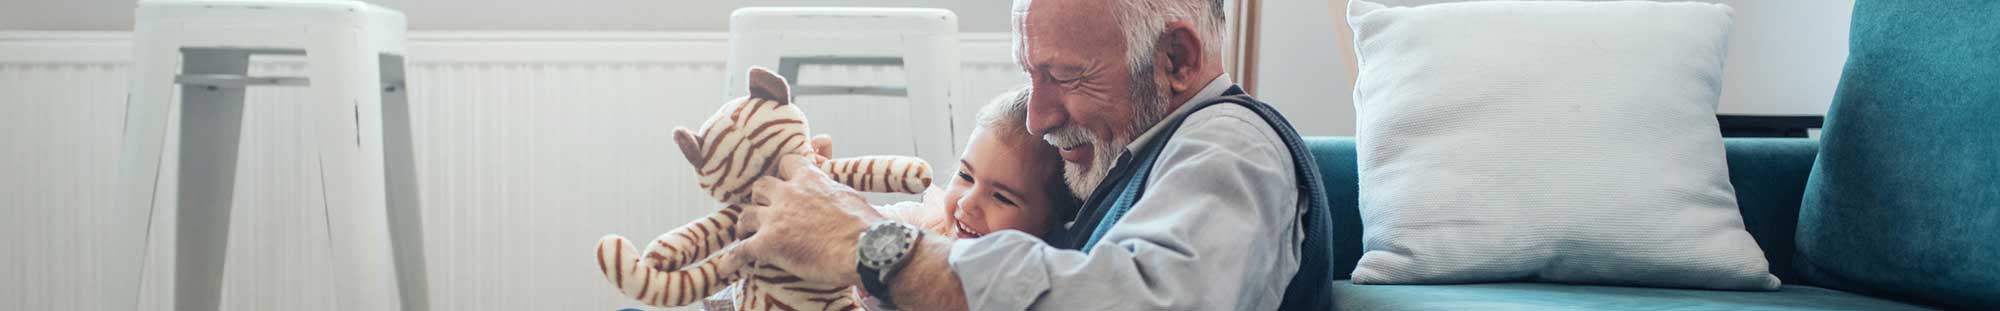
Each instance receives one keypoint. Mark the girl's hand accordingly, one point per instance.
(822, 149)
(933, 216)
(929, 213)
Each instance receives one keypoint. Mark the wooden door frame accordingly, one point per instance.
(1242, 60)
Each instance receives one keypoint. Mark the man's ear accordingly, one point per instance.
(1180, 53)
(769, 86)
(690, 146)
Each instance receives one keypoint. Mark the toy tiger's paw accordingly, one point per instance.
(615, 257)
(660, 281)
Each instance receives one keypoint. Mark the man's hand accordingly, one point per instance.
(810, 225)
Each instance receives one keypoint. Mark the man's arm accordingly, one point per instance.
(816, 237)
(1217, 229)
(926, 281)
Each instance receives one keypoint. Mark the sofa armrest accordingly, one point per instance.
(1769, 175)
(1338, 171)
(1770, 179)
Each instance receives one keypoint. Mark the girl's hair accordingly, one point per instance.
(1007, 117)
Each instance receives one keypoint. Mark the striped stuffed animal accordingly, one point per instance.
(735, 147)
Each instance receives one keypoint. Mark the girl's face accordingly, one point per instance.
(998, 188)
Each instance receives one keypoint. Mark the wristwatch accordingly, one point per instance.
(879, 251)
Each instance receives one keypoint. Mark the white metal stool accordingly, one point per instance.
(189, 76)
(921, 43)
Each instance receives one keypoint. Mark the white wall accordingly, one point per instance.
(1784, 59)
(1785, 55)
(593, 15)
(1299, 69)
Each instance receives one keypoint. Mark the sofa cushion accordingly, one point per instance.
(1570, 142)
(1544, 296)
(1905, 199)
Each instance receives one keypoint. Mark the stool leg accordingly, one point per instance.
(406, 222)
(211, 127)
(348, 140)
(146, 114)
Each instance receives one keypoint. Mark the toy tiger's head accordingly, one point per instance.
(739, 143)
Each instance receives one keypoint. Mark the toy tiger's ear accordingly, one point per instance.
(690, 146)
(769, 86)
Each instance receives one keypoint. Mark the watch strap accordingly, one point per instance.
(872, 281)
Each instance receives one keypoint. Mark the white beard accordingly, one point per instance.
(1082, 181)
(1149, 108)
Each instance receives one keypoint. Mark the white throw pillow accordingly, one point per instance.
(1558, 141)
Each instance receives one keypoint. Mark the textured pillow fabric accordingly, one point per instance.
(1904, 201)
(1570, 142)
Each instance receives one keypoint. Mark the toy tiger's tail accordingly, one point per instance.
(880, 173)
(661, 276)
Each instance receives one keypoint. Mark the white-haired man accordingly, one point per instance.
(1198, 197)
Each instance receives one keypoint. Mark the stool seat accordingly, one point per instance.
(888, 74)
(184, 124)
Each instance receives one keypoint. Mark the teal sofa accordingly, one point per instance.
(1895, 207)
(1770, 178)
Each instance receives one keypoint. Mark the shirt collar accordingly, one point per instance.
(1215, 88)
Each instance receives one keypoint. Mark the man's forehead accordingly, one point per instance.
(1030, 12)
(1078, 24)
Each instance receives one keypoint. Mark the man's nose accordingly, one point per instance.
(1045, 111)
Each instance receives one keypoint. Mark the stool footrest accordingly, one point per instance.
(237, 81)
(889, 91)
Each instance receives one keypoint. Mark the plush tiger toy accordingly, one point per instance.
(735, 147)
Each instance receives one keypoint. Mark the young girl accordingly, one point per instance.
(1007, 180)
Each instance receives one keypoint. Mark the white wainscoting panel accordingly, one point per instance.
(530, 146)
(59, 127)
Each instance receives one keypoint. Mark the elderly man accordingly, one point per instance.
(1198, 197)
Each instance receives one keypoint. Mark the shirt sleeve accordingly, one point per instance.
(1217, 229)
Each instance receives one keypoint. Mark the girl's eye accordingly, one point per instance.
(1003, 200)
(965, 177)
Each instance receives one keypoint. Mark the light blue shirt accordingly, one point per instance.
(1218, 229)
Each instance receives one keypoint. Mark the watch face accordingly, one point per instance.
(881, 245)
(878, 247)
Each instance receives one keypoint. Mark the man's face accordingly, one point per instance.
(1086, 100)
